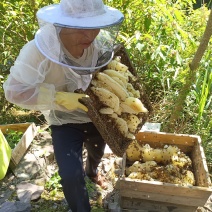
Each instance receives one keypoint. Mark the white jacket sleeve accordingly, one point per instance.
(25, 79)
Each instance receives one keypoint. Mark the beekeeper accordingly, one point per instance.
(76, 37)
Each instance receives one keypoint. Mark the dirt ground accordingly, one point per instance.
(38, 167)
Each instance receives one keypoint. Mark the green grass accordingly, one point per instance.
(13, 137)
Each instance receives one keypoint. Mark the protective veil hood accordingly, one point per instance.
(78, 14)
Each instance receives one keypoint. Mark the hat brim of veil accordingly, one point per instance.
(52, 14)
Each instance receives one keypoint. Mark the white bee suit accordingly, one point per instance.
(32, 70)
(45, 67)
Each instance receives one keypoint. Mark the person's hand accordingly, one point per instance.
(70, 100)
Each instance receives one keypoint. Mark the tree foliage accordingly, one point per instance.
(161, 37)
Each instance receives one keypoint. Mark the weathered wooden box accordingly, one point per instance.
(29, 131)
(157, 196)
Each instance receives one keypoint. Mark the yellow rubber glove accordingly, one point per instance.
(70, 100)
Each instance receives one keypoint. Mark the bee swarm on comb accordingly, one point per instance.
(115, 89)
(168, 164)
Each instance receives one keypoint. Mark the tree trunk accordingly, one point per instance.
(190, 79)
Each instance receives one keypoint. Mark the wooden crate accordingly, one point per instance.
(29, 131)
(162, 197)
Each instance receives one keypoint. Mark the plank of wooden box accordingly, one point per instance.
(21, 148)
(157, 191)
(188, 201)
(16, 127)
(148, 205)
(201, 172)
(183, 141)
